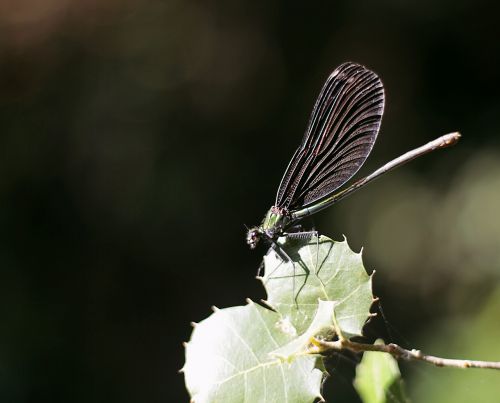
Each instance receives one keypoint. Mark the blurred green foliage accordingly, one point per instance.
(463, 336)
(137, 139)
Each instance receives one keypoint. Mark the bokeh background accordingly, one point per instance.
(137, 138)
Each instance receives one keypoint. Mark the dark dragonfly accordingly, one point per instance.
(342, 130)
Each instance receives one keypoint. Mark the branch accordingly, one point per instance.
(398, 352)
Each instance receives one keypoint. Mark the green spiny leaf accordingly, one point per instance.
(229, 360)
(320, 269)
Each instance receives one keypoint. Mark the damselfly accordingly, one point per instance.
(342, 130)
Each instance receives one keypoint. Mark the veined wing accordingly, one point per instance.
(339, 137)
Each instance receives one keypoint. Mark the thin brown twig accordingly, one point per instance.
(321, 346)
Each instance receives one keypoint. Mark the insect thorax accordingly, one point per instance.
(275, 222)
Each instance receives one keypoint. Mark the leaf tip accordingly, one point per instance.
(193, 324)
(347, 244)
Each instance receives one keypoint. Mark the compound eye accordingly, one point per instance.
(253, 237)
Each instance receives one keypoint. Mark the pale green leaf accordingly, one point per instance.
(320, 269)
(254, 354)
(378, 379)
(228, 359)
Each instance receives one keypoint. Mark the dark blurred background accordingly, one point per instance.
(137, 138)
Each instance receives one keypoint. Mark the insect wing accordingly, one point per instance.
(342, 130)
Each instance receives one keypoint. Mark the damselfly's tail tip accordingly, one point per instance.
(451, 139)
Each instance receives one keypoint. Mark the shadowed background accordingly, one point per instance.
(138, 138)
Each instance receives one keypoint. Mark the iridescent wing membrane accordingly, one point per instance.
(339, 137)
